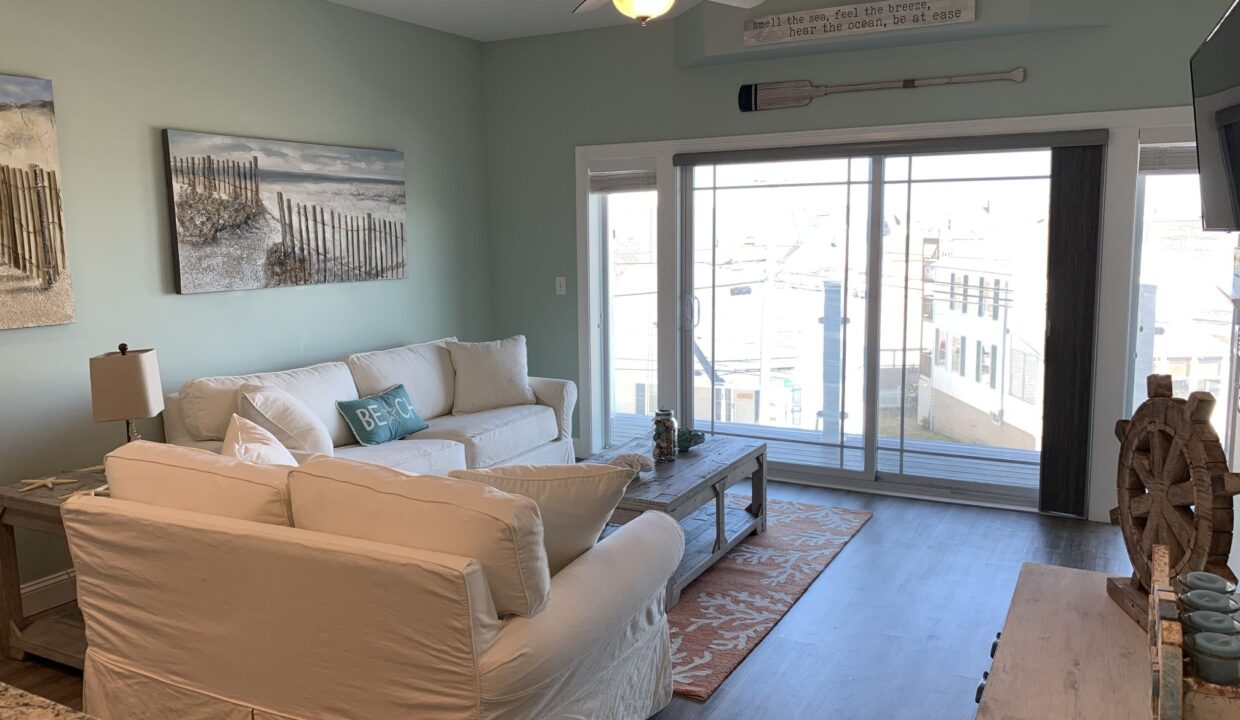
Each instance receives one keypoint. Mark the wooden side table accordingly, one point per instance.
(56, 633)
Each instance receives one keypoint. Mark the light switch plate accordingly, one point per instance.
(561, 285)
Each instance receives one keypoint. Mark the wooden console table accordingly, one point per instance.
(57, 633)
(1067, 651)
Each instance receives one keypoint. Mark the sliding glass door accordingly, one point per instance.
(880, 315)
(964, 316)
(779, 278)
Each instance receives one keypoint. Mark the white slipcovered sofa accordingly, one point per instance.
(234, 609)
(540, 433)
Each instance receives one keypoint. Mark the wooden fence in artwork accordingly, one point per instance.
(230, 178)
(328, 246)
(32, 232)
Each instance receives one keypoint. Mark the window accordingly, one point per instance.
(981, 297)
(940, 348)
(951, 294)
(957, 364)
(964, 289)
(994, 303)
(1023, 376)
(1183, 319)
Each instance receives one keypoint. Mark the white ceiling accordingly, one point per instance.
(498, 19)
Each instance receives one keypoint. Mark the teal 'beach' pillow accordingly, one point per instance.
(382, 418)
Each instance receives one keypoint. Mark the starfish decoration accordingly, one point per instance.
(48, 482)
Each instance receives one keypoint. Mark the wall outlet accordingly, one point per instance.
(561, 285)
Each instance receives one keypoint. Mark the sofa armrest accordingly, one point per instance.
(560, 396)
(597, 605)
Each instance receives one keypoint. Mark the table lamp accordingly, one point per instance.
(124, 385)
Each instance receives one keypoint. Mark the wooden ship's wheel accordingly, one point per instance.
(1173, 484)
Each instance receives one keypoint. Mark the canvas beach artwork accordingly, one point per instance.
(35, 287)
(250, 213)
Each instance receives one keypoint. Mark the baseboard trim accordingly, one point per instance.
(48, 592)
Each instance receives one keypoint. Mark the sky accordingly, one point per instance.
(21, 90)
(292, 157)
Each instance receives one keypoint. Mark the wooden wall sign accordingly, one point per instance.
(857, 19)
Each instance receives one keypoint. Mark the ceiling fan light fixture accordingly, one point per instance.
(643, 10)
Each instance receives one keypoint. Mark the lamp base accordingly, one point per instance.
(131, 432)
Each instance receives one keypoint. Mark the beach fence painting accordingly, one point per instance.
(35, 287)
(250, 213)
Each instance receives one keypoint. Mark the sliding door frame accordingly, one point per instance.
(1112, 357)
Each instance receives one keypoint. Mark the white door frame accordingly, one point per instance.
(1112, 358)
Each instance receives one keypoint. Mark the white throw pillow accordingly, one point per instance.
(424, 369)
(293, 424)
(502, 532)
(575, 501)
(198, 480)
(490, 375)
(248, 442)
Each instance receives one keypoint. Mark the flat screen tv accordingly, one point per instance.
(1216, 104)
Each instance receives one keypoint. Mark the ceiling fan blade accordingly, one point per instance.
(747, 4)
(591, 5)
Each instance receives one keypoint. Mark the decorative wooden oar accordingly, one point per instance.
(799, 93)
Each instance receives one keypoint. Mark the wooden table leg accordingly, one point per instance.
(757, 506)
(721, 514)
(11, 614)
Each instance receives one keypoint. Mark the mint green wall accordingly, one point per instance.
(288, 69)
(545, 96)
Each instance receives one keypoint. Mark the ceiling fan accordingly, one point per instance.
(647, 10)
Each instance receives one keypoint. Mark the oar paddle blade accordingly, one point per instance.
(778, 95)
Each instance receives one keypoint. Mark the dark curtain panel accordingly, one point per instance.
(1071, 309)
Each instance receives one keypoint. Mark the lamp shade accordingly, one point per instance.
(125, 386)
(643, 9)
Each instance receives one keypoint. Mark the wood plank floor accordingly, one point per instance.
(898, 626)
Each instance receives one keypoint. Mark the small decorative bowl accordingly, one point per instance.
(1206, 621)
(1194, 600)
(1206, 581)
(1216, 656)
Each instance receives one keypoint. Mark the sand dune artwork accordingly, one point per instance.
(35, 285)
(250, 213)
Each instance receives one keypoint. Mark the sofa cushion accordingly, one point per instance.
(502, 532)
(424, 369)
(290, 420)
(493, 436)
(249, 442)
(575, 501)
(198, 480)
(207, 404)
(420, 457)
(490, 375)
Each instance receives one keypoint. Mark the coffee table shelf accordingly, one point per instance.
(694, 489)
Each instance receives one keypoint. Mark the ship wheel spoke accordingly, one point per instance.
(1141, 466)
(1158, 453)
(1150, 535)
(1182, 527)
(1182, 494)
(1174, 466)
(1139, 506)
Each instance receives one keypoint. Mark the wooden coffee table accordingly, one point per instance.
(693, 489)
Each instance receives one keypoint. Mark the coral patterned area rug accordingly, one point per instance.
(727, 610)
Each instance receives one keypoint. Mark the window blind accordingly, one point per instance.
(627, 181)
(1169, 159)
